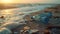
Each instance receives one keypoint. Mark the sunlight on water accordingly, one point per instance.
(6, 12)
(10, 17)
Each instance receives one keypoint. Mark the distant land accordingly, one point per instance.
(16, 5)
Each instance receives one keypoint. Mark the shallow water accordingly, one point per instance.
(16, 15)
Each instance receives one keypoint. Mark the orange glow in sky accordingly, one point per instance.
(21, 1)
(29, 1)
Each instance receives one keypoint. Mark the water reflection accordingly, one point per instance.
(10, 16)
(6, 12)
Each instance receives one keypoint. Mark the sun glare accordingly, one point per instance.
(6, 1)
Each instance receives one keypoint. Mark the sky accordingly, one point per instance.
(40, 1)
(31, 1)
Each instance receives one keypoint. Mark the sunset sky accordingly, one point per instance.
(31, 1)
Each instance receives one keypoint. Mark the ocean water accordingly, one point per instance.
(16, 15)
